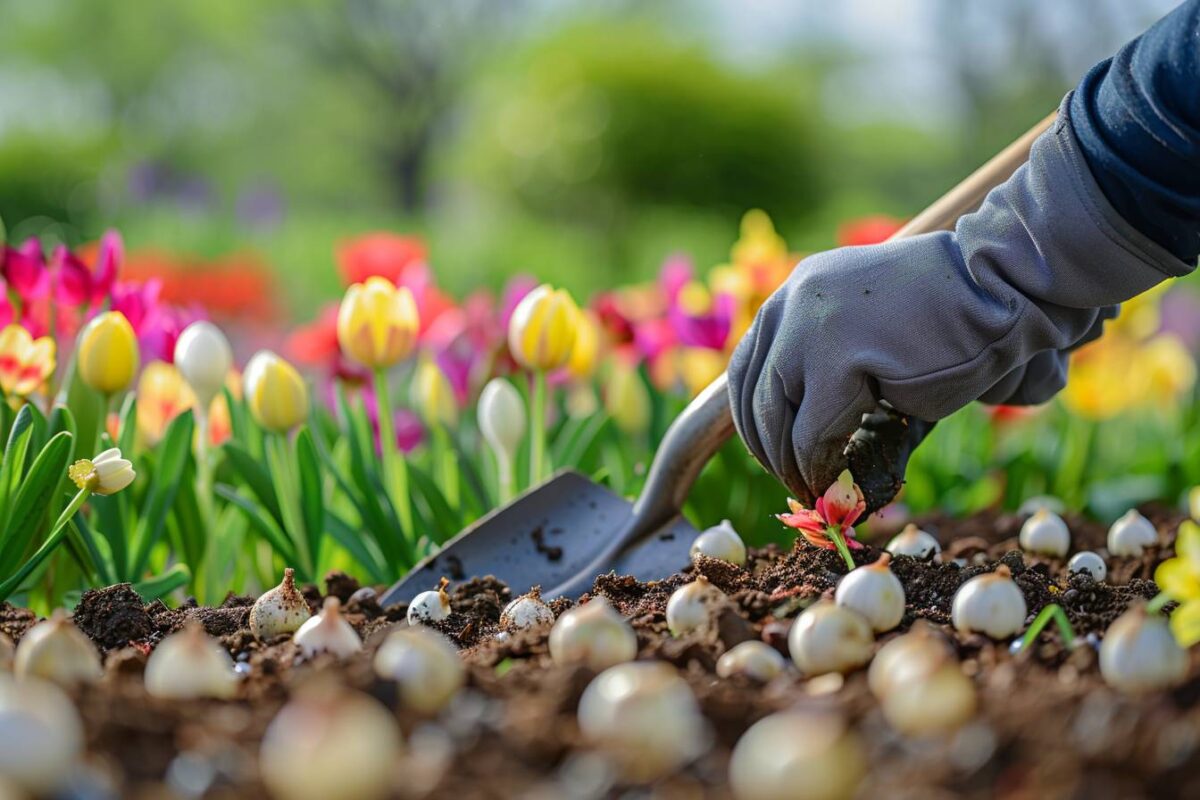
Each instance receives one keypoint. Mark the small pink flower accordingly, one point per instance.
(837, 510)
(25, 270)
(71, 278)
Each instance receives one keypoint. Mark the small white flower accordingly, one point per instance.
(107, 473)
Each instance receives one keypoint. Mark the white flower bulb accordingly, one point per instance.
(204, 358)
(691, 606)
(280, 611)
(57, 651)
(722, 542)
(991, 604)
(1089, 562)
(912, 541)
(330, 743)
(7, 650)
(526, 612)
(190, 664)
(829, 638)
(797, 755)
(328, 632)
(41, 733)
(424, 665)
(919, 651)
(594, 635)
(754, 659)
(644, 716)
(1045, 533)
(1130, 535)
(875, 592)
(930, 700)
(1139, 654)
(430, 606)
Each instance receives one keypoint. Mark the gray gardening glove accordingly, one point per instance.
(901, 334)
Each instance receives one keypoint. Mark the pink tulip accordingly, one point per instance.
(25, 270)
(837, 511)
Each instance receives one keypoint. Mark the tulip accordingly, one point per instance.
(627, 400)
(275, 392)
(25, 363)
(433, 396)
(542, 329)
(108, 353)
(586, 350)
(377, 323)
(831, 523)
(502, 421)
(162, 395)
(107, 473)
(204, 358)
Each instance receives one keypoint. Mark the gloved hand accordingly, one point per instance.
(930, 323)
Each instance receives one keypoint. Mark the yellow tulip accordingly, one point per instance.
(25, 362)
(627, 400)
(108, 353)
(377, 323)
(275, 392)
(433, 396)
(541, 332)
(162, 395)
(586, 349)
(700, 366)
(1179, 579)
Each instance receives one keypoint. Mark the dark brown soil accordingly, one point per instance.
(1047, 727)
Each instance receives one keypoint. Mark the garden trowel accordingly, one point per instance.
(562, 534)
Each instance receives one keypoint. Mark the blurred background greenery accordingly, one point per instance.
(580, 141)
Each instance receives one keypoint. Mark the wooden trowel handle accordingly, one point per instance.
(706, 424)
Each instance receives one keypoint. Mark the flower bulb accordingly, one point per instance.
(1089, 562)
(279, 611)
(526, 612)
(7, 650)
(722, 542)
(754, 659)
(929, 700)
(41, 732)
(991, 604)
(691, 605)
(328, 632)
(424, 665)
(1139, 654)
(1130, 535)
(875, 592)
(430, 606)
(797, 755)
(919, 651)
(594, 635)
(912, 541)
(1045, 533)
(190, 664)
(830, 638)
(57, 651)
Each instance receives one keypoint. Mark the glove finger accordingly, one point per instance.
(824, 423)
(879, 450)
(1032, 383)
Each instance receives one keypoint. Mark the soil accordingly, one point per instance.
(1047, 725)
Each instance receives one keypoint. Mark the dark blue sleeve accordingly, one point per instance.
(1137, 118)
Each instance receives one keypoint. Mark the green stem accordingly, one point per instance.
(835, 535)
(1050, 612)
(279, 458)
(395, 468)
(537, 430)
(1156, 605)
(446, 465)
(204, 574)
(504, 470)
(56, 535)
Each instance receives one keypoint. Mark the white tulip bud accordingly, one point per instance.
(279, 611)
(829, 638)
(927, 702)
(754, 659)
(691, 606)
(502, 422)
(55, 650)
(796, 755)
(1089, 562)
(1139, 654)
(526, 612)
(430, 606)
(107, 473)
(1130, 535)
(190, 664)
(328, 632)
(594, 635)
(917, 652)
(722, 542)
(424, 665)
(330, 743)
(991, 604)
(41, 732)
(875, 592)
(1046, 533)
(912, 541)
(204, 358)
(644, 716)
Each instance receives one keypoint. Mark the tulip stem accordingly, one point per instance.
(835, 535)
(395, 468)
(446, 464)
(201, 575)
(56, 534)
(1156, 605)
(537, 430)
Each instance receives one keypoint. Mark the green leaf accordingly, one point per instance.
(361, 548)
(32, 499)
(7, 417)
(101, 562)
(433, 503)
(88, 408)
(312, 501)
(174, 452)
(127, 427)
(12, 470)
(255, 476)
(261, 522)
(163, 584)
